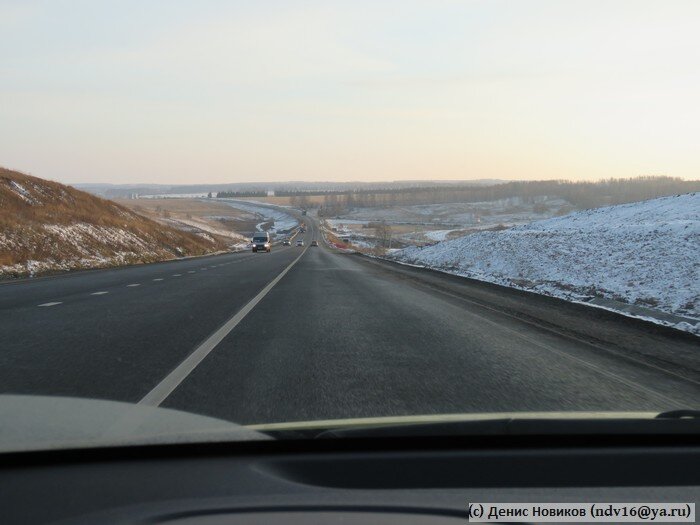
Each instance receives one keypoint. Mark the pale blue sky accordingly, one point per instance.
(213, 91)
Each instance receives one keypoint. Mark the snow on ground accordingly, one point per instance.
(32, 268)
(116, 246)
(83, 245)
(22, 192)
(335, 223)
(283, 222)
(174, 196)
(509, 211)
(201, 225)
(427, 223)
(438, 235)
(645, 253)
(359, 242)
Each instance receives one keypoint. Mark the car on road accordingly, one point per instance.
(261, 242)
(314, 243)
(286, 242)
(300, 242)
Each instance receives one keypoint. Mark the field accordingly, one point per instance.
(427, 224)
(212, 217)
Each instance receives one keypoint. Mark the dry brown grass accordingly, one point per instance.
(194, 207)
(27, 209)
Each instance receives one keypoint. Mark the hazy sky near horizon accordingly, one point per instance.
(168, 91)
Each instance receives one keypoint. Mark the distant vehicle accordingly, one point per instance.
(261, 242)
(286, 242)
(300, 242)
(314, 243)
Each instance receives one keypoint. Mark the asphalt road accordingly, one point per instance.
(310, 333)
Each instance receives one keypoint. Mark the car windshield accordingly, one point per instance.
(242, 220)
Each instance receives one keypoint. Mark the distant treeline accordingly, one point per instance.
(309, 193)
(579, 194)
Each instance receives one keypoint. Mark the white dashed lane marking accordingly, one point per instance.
(159, 279)
(51, 304)
(191, 271)
(98, 293)
(177, 274)
(132, 285)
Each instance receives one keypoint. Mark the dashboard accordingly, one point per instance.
(348, 481)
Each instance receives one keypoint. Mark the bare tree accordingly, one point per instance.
(383, 233)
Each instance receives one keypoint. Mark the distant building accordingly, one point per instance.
(270, 193)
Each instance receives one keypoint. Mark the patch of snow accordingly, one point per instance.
(174, 196)
(204, 227)
(283, 222)
(361, 243)
(22, 192)
(438, 235)
(335, 222)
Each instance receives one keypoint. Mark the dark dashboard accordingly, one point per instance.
(385, 480)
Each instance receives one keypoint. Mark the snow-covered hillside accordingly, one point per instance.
(645, 253)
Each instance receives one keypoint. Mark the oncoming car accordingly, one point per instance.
(261, 242)
(286, 242)
(300, 242)
(314, 243)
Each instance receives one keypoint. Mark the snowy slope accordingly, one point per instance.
(645, 253)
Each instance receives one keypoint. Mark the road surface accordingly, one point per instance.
(311, 333)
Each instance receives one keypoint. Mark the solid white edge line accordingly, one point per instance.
(166, 387)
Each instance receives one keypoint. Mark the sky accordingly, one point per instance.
(175, 92)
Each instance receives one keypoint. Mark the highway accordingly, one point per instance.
(308, 333)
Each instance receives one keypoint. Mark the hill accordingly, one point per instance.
(47, 227)
(645, 254)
